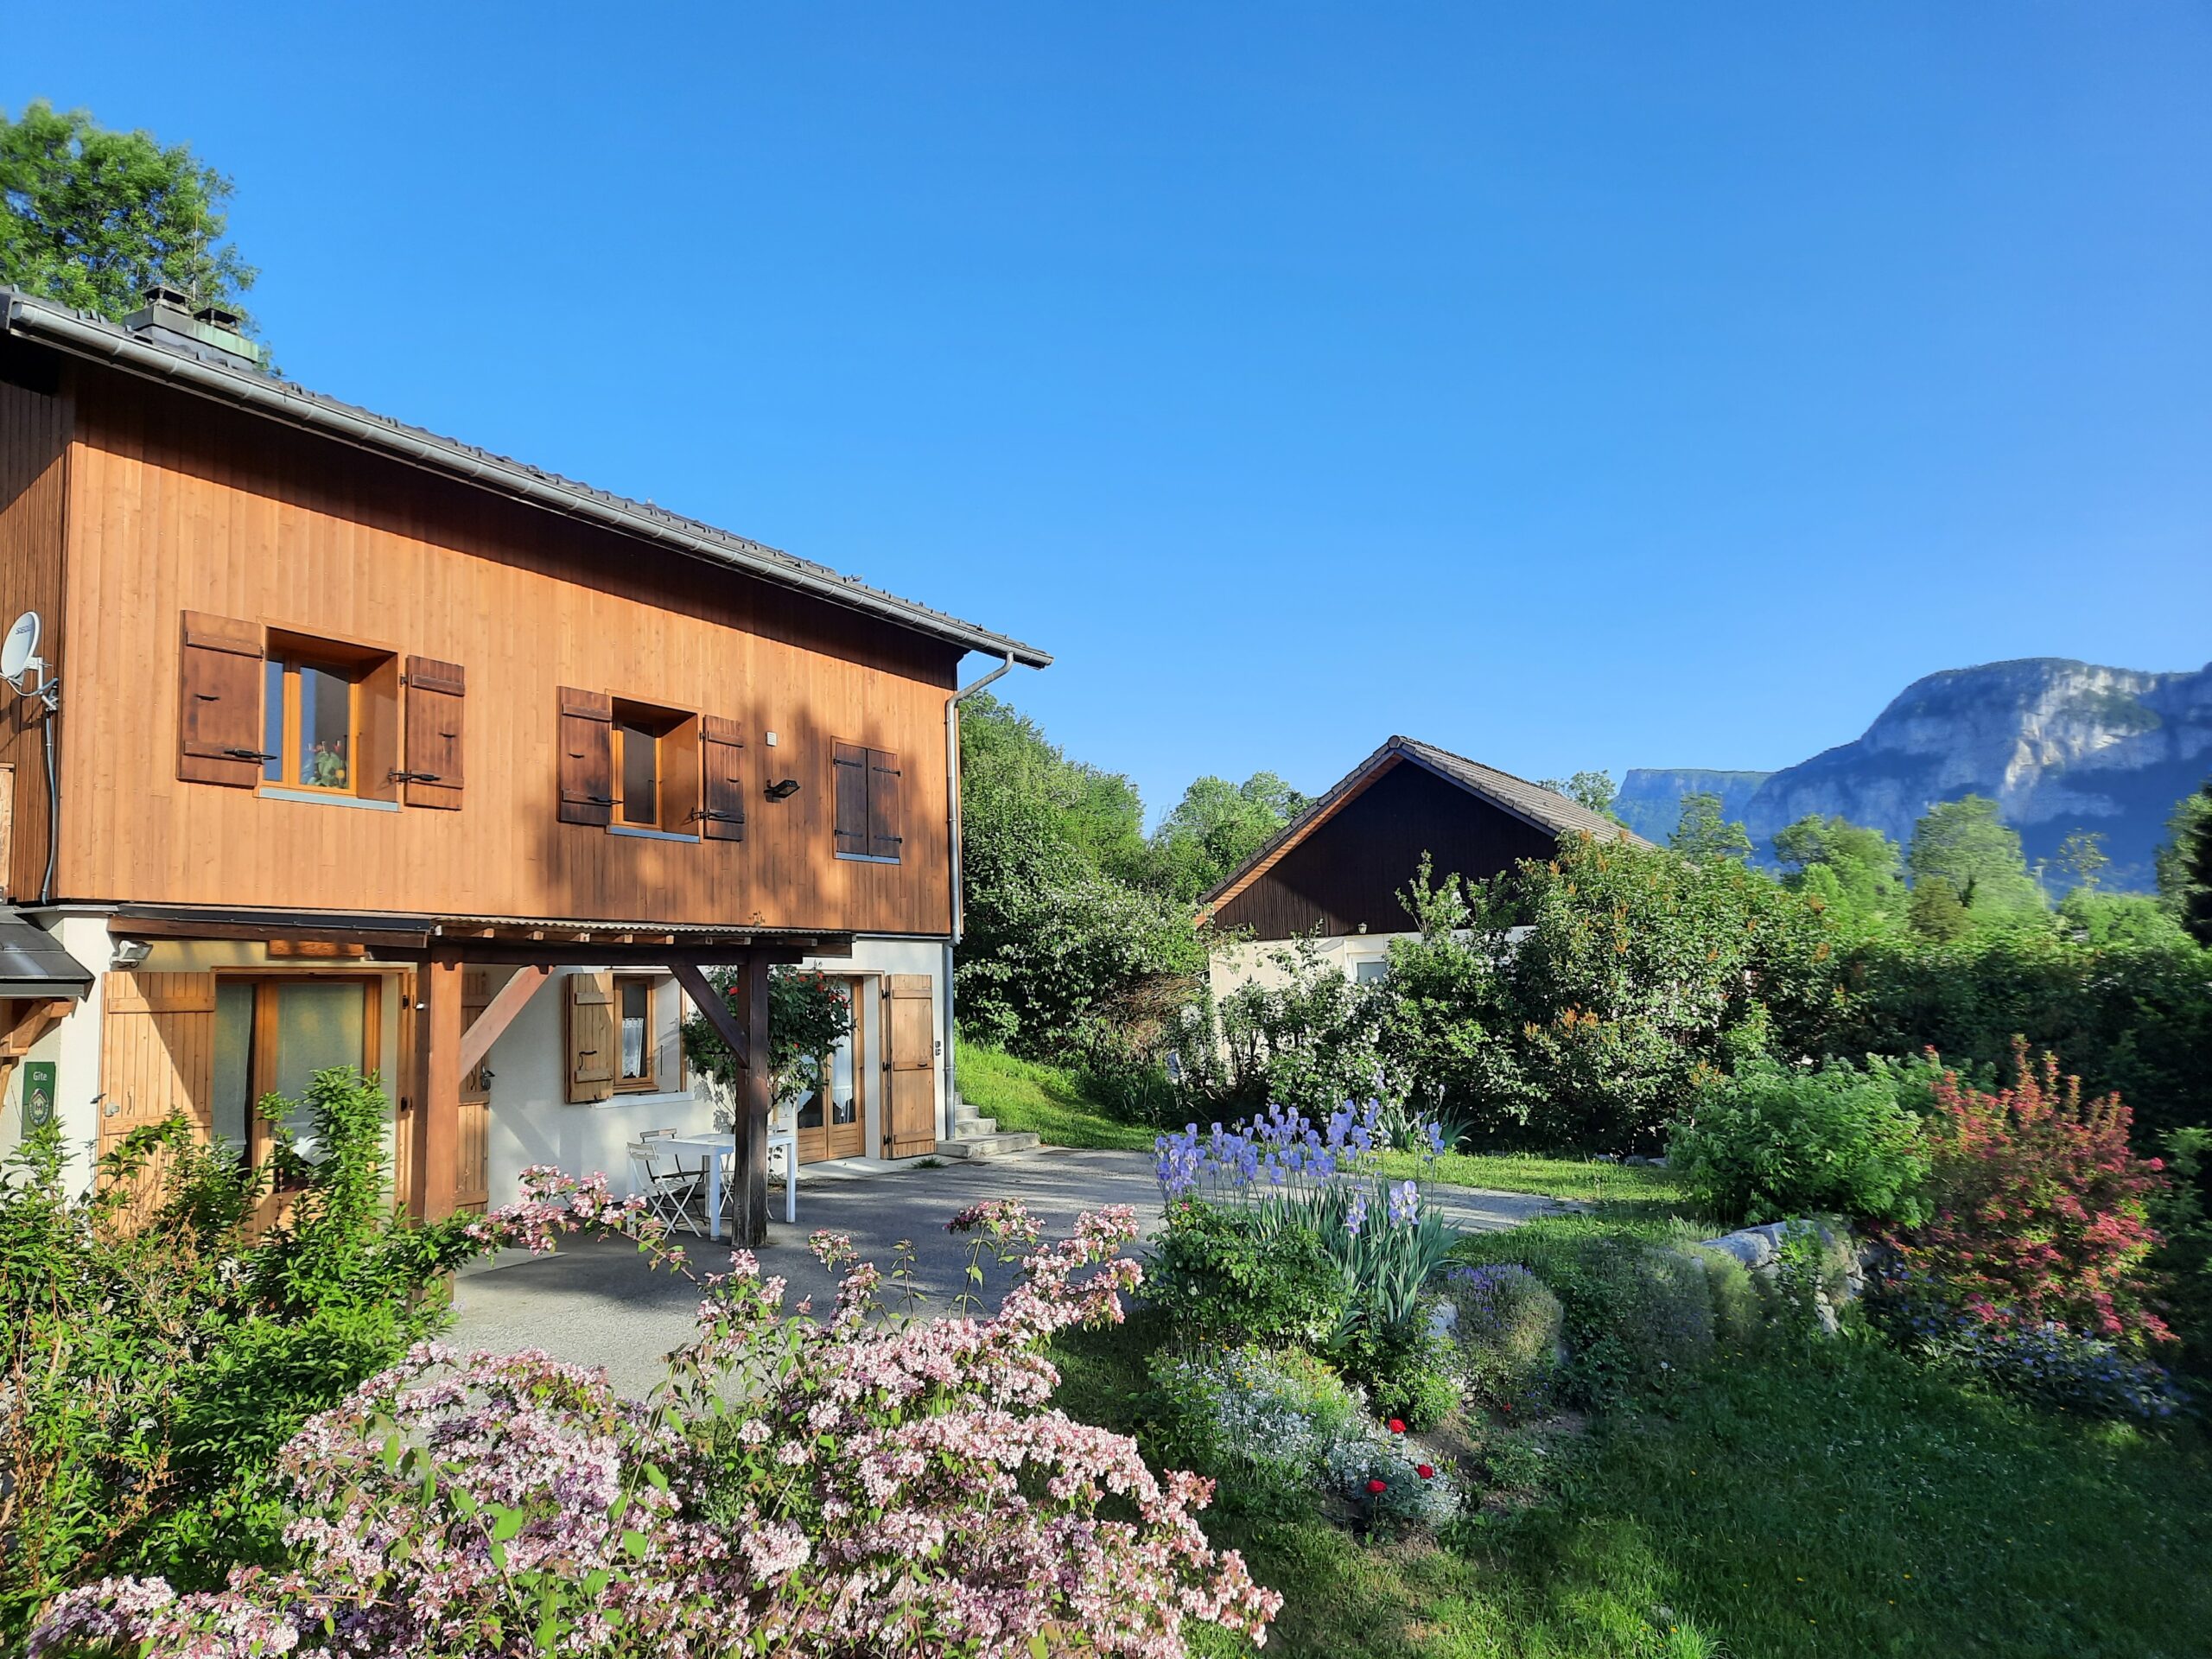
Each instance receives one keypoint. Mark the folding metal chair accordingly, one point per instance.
(665, 1185)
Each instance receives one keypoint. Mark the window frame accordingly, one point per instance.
(282, 677)
(651, 1083)
(624, 732)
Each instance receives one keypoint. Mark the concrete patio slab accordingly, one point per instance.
(597, 1303)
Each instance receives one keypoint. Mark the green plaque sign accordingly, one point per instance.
(38, 1092)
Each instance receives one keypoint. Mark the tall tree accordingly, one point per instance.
(1864, 863)
(94, 218)
(2185, 828)
(1217, 826)
(1702, 835)
(1594, 790)
(1969, 844)
(2081, 856)
(2196, 876)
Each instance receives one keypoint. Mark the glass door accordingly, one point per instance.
(829, 1113)
(273, 1034)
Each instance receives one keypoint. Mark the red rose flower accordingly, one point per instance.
(1425, 1472)
(1396, 1426)
(1378, 1486)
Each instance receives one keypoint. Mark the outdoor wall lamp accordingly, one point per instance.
(782, 790)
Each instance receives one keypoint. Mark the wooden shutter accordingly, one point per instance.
(157, 1056)
(851, 768)
(433, 763)
(218, 702)
(909, 1065)
(722, 753)
(587, 757)
(591, 1036)
(883, 821)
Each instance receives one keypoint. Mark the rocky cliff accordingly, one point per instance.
(1650, 799)
(2060, 745)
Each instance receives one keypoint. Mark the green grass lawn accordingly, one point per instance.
(1582, 1178)
(1840, 1503)
(1023, 1095)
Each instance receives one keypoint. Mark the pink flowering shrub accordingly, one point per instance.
(2038, 1209)
(834, 1486)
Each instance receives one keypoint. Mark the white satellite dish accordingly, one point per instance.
(21, 650)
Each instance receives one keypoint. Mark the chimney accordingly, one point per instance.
(209, 333)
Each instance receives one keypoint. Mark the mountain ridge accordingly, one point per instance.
(2060, 744)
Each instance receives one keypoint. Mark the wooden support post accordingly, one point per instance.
(755, 1099)
(437, 1014)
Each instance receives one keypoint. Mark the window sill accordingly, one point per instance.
(321, 797)
(639, 832)
(645, 1098)
(868, 858)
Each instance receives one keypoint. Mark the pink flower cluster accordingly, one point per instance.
(840, 1486)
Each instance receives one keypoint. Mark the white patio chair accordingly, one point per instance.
(667, 1188)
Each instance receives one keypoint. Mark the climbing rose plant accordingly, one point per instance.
(838, 1486)
(2039, 1208)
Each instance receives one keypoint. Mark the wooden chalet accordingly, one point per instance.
(1334, 873)
(347, 740)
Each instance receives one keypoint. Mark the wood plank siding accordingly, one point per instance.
(1350, 869)
(34, 450)
(177, 504)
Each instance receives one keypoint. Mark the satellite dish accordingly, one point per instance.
(21, 650)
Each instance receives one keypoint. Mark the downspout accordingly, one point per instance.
(952, 826)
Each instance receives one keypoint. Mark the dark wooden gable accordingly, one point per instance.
(1351, 868)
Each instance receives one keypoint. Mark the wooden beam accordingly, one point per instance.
(714, 1009)
(437, 1014)
(755, 1100)
(499, 1014)
(33, 1022)
(163, 927)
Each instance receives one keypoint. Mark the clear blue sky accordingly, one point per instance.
(1569, 386)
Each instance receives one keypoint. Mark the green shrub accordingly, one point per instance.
(175, 1355)
(1259, 1423)
(2184, 1258)
(1639, 1314)
(1410, 1372)
(1509, 1333)
(1222, 1274)
(1738, 1312)
(1773, 1141)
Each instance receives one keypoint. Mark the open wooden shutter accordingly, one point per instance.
(883, 819)
(722, 753)
(587, 757)
(218, 702)
(909, 1065)
(591, 1036)
(850, 764)
(433, 764)
(157, 1056)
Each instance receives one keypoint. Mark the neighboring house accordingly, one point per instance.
(370, 749)
(1335, 874)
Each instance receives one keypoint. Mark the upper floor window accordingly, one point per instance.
(868, 818)
(634, 768)
(313, 738)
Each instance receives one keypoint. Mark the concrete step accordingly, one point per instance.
(973, 1127)
(1011, 1144)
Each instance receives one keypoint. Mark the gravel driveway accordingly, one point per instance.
(597, 1303)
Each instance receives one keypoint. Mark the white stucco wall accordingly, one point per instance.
(1254, 962)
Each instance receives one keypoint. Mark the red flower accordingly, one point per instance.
(1425, 1472)
(1378, 1486)
(1396, 1426)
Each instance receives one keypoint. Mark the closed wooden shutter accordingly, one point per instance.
(587, 757)
(850, 765)
(909, 1065)
(218, 702)
(591, 1037)
(157, 1057)
(721, 757)
(433, 765)
(883, 818)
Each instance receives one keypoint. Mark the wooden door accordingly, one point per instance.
(471, 1180)
(403, 1094)
(909, 1065)
(157, 1057)
(832, 1119)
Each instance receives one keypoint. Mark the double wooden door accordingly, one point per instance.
(833, 1112)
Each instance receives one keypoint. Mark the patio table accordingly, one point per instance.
(716, 1147)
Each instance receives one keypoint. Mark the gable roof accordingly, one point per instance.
(83, 335)
(1529, 802)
